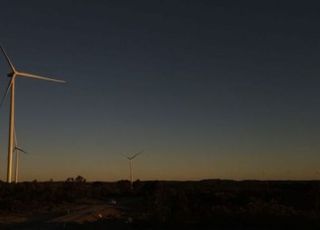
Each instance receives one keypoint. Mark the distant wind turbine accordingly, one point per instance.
(17, 151)
(130, 158)
(13, 74)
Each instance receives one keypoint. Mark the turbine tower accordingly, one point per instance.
(130, 158)
(13, 74)
(17, 150)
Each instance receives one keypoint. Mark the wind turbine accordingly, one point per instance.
(130, 158)
(17, 150)
(13, 74)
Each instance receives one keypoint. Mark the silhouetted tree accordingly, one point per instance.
(70, 179)
(80, 179)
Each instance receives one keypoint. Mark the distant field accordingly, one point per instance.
(218, 204)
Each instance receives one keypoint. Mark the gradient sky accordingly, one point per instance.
(210, 89)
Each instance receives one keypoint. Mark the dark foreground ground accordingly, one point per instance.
(208, 204)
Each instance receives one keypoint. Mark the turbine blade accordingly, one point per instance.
(20, 149)
(135, 155)
(6, 92)
(38, 77)
(125, 156)
(8, 59)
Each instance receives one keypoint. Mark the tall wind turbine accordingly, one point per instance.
(17, 151)
(13, 74)
(130, 158)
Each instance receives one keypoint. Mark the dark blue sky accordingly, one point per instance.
(210, 89)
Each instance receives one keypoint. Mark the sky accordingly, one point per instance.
(208, 89)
